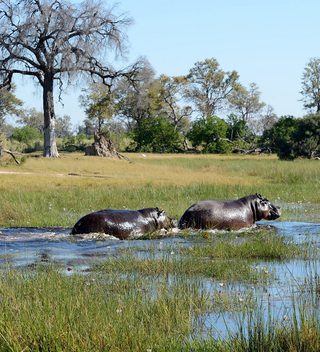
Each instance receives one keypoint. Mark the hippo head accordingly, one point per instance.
(267, 210)
(163, 220)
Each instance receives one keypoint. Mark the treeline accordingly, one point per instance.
(207, 110)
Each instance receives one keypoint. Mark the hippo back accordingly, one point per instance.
(228, 215)
(122, 224)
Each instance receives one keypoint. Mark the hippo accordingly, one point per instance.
(230, 214)
(124, 224)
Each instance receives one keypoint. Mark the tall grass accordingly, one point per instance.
(47, 311)
(44, 192)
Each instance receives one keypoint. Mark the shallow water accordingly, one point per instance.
(26, 247)
(29, 245)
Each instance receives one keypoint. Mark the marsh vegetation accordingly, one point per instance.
(254, 290)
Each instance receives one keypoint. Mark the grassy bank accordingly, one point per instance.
(44, 192)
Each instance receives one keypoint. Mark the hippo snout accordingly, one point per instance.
(274, 213)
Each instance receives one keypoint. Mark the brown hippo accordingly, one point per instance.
(123, 224)
(228, 215)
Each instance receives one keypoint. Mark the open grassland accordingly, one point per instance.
(44, 192)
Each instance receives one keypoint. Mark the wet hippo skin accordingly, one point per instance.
(123, 224)
(229, 214)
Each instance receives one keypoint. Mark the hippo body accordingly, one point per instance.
(229, 215)
(123, 224)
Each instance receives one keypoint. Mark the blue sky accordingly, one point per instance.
(268, 42)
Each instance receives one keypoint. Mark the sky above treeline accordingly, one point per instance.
(268, 42)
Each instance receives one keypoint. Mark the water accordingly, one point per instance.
(29, 245)
(26, 247)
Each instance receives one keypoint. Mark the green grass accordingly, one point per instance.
(151, 299)
(45, 192)
(44, 310)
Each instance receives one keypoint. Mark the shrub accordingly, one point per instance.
(210, 134)
(156, 135)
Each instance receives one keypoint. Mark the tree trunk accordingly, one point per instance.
(50, 146)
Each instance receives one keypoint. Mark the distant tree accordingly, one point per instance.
(156, 135)
(53, 41)
(63, 126)
(238, 129)
(9, 105)
(169, 91)
(280, 137)
(209, 86)
(210, 134)
(246, 102)
(26, 134)
(133, 101)
(265, 121)
(99, 104)
(31, 118)
(307, 137)
(311, 85)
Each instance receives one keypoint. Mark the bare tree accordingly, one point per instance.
(54, 41)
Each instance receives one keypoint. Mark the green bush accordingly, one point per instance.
(156, 135)
(291, 138)
(210, 134)
(26, 139)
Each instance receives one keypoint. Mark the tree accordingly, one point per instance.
(99, 105)
(53, 41)
(31, 118)
(311, 85)
(133, 101)
(156, 135)
(169, 91)
(25, 134)
(265, 121)
(209, 86)
(210, 134)
(9, 105)
(246, 102)
(280, 138)
(307, 137)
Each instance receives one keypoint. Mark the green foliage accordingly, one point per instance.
(26, 134)
(74, 143)
(156, 135)
(311, 85)
(238, 129)
(307, 137)
(291, 138)
(209, 86)
(280, 137)
(210, 134)
(9, 104)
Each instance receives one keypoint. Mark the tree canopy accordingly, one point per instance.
(311, 85)
(53, 41)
